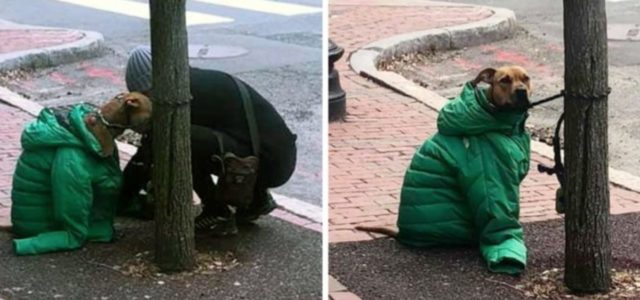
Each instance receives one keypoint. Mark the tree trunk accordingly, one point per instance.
(588, 246)
(171, 177)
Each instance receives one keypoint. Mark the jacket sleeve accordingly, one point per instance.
(72, 199)
(493, 192)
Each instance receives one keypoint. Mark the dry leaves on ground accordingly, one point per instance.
(550, 285)
(142, 266)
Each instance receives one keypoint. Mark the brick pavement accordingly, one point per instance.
(369, 153)
(14, 40)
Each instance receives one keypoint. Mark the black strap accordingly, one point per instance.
(558, 167)
(251, 118)
(220, 157)
(545, 100)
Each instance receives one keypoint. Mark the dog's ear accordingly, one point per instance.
(132, 102)
(485, 76)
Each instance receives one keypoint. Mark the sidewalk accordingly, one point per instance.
(229, 268)
(368, 154)
(26, 46)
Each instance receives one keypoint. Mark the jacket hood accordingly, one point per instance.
(470, 114)
(55, 128)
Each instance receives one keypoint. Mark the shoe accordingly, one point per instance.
(217, 226)
(253, 213)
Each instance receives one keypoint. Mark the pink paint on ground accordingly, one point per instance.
(109, 74)
(556, 48)
(466, 64)
(513, 57)
(60, 78)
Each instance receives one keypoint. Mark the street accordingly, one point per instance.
(539, 48)
(274, 46)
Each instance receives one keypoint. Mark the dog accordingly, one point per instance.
(125, 110)
(509, 88)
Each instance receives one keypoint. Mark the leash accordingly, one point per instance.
(558, 167)
(545, 100)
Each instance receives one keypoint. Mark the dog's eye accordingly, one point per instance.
(525, 78)
(505, 80)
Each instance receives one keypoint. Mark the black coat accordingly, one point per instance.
(217, 104)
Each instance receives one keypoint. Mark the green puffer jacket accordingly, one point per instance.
(462, 186)
(64, 193)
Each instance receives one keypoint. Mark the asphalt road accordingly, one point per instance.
(539, 48)
(275, 48)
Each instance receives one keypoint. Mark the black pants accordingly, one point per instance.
(276, 167)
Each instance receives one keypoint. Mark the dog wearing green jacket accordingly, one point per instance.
(462, 186)
(67, 180)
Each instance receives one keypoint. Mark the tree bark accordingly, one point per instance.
(171, 175)
(588, 246)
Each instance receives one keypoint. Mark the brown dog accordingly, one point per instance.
(507, 85)
(509, 88)
(126, 110)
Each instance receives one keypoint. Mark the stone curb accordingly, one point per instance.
(498, 26)
(90, 46)
(290, 209)
(364, 62)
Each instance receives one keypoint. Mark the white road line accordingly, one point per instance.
(141, 10)
(266, 6)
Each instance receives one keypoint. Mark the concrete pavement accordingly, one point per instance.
(30, 47)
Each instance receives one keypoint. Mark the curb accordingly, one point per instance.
(337, 291)
(498, 26)
(291, 210)
(364, 61)
(90, 46)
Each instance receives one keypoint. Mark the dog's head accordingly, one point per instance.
(510, 87)
(126, 110)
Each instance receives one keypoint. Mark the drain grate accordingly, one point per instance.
(624, 32)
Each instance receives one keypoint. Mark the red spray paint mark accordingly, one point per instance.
(109, 74)
(466, 65)
(513, 57)
(488, 48)
(556, 47)
(61, 78)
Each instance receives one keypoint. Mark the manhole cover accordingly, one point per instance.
(213, 51)
(624, 32)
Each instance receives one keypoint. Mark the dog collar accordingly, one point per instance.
(111, 125)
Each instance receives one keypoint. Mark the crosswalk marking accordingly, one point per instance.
(141, 10)
(267, 6)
